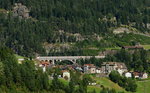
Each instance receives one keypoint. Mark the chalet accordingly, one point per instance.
(107, 67)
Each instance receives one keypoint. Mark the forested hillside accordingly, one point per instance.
(59, 21)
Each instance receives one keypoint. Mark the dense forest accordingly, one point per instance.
(86, 17)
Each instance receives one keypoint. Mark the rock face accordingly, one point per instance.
(63, 37)
(57, 47)
(20, 11)
(121, 30)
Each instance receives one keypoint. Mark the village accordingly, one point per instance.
(103, 71)
(100, 71)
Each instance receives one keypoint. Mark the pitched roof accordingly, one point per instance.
(65, 71)
(45, 63)
(89, 65)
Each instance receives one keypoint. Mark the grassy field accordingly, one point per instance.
(96, 88)
(106, 83)
(100, 81)
(143, 86)
(147, 47)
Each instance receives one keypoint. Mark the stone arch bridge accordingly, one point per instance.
(53, 59)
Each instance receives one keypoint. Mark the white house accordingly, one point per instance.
(144, 76)
(66, 74)
(128, 75)
(98, 70)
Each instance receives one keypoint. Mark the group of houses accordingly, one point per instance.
(103, 71)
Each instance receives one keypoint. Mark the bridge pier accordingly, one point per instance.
(53, 62)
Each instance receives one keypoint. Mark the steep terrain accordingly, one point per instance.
(77, 26)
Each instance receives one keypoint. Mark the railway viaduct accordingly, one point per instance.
(73, 59)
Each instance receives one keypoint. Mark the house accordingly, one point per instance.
(78, 68)
(140, 75)
(128, 74)
(136, 74)
(121, 68)
(107, 67)
(89, 68)
(98, 70)
(144, 76)
(44, 65)
(66, 74)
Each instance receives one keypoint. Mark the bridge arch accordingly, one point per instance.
(67, 62)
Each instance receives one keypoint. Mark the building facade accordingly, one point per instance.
(89, 68)
(107, 67)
